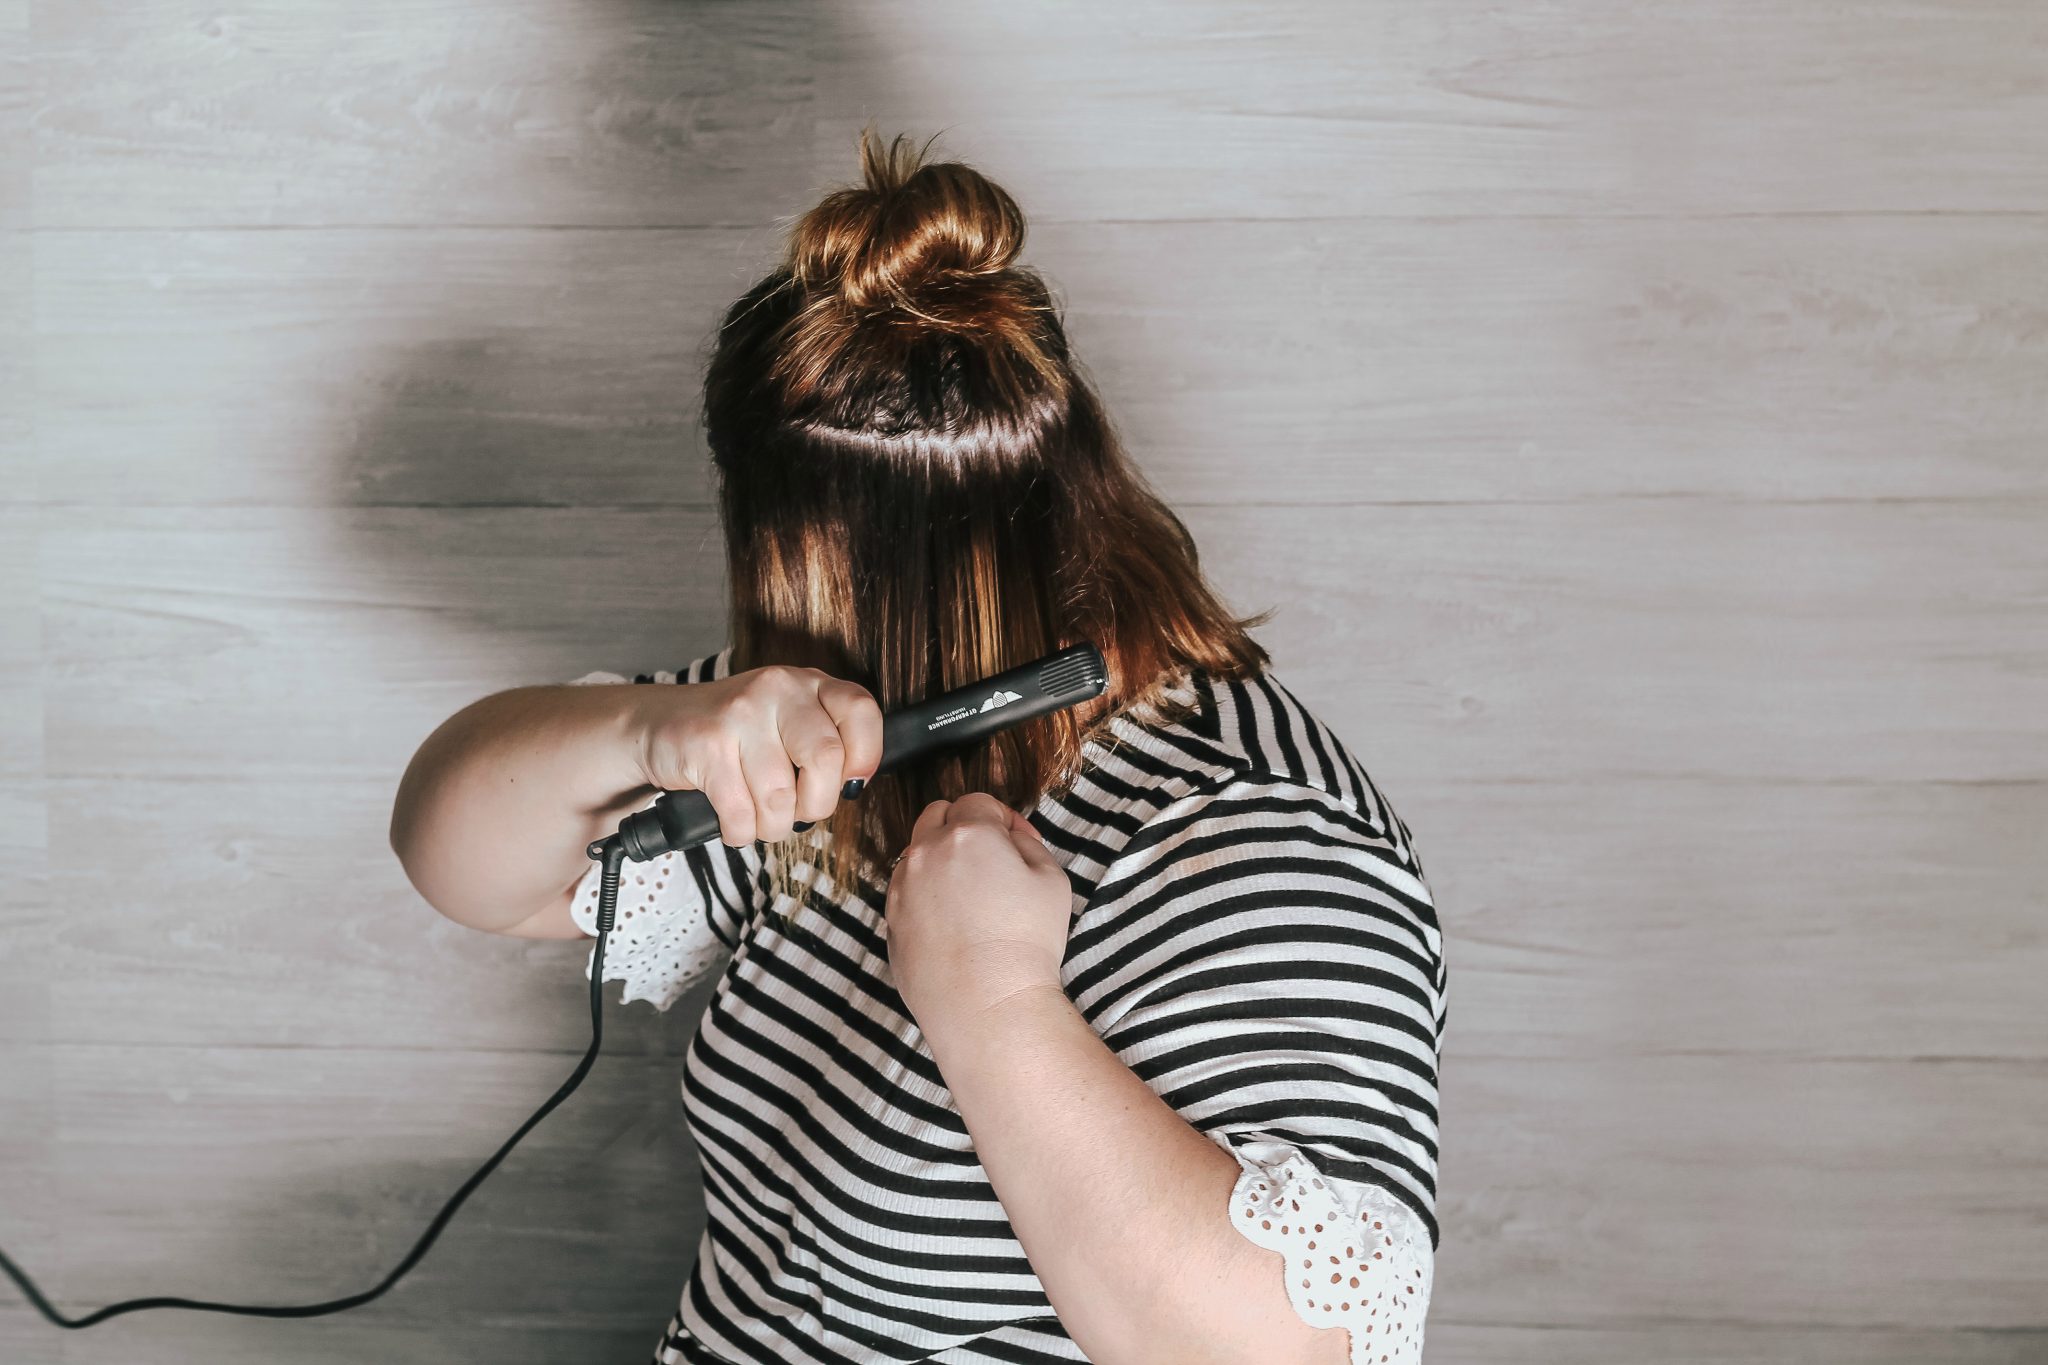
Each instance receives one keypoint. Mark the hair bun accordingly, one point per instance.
(933, 240)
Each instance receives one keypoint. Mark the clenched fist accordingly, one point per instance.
(978, 910)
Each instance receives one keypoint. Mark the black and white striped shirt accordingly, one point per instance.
(1252, 935)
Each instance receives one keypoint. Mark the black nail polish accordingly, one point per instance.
(800, 826)
(854, 787)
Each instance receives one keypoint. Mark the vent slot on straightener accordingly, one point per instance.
(1069, 675)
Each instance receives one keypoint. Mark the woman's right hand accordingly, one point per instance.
(768, 747)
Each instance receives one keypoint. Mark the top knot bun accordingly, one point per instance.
(934, 241)
(904, 287)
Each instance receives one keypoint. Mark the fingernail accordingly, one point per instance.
(802, 825)
(854, 787)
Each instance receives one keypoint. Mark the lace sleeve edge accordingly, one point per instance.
(1359, 1259)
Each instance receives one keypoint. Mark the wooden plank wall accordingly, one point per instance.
(1636, 412)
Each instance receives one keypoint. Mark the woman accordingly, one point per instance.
(1147, 1073)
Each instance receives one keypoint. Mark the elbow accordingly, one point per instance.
(400, 836)
(407, 845)
(395, 832)
(409, 831)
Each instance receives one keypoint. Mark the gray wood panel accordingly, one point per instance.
(15, 166)
(393, 114)
(326, 1342)
(1308, 110)
(1414, 360)
(21, 641)
(1625, 1192)
(1735, 642)
(407, 368)
(1664, 917)
(292, 1174)
(1633, 411)
(326, 643)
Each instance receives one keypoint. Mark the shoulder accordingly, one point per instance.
(1243, 802)
(1255, 849)
(1258, 857)
(1241, 747)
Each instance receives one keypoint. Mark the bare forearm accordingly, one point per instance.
(1119, 1204)
(494, 812)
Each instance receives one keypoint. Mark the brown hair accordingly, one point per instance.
(919, 488)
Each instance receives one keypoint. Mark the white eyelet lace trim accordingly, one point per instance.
(1356, 1257)
(660, 943)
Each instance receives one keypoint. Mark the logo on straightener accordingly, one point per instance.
(1001, 698)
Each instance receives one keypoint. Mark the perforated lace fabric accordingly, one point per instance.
(661, 942)
(1356, 1257)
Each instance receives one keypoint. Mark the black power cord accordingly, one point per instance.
(677, 820)
(612, 854)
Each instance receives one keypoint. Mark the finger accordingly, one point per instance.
(725, 787)
(929, 821)
(859, 718)
(813, 744)
(771, 783)
(982, 808)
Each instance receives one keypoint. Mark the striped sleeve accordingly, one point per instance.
(1267, 958)
(680, 915)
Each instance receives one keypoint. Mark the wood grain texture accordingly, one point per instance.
(268, 888)
(21, 641)
(291, 1175)
(395, 113)
(26, 913)
(1724, 641)
(1467, 360)
(416, 368)
(215, 643)
(398, 113)
(1829, 922)
(1630, 1192)
(16, 165)
(1633, 411)
(325, 1342)
(183, 1161)
(18, 457)
(1593, 108)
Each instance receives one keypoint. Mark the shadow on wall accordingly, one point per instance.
(525, 439)
(525, 483)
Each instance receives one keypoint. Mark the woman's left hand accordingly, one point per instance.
(978, 910)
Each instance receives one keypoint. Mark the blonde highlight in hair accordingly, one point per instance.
(919, 488)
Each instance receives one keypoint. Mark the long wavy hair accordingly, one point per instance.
(919, 487)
